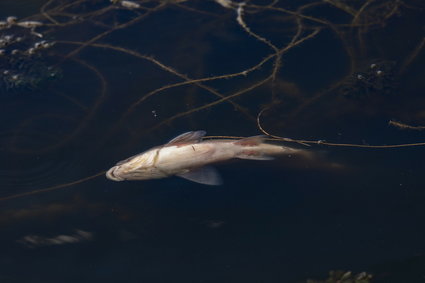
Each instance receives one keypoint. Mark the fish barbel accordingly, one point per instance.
(188, 156)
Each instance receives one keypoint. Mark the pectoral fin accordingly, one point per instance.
(204, 175)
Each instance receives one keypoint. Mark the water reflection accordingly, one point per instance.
(34, 241)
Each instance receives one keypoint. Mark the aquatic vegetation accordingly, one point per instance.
(129, 73)
(27, 74)
(24, 65)
(266, 91)
(376, 79)
(340, 276)
(257, 90)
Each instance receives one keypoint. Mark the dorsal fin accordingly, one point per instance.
(189, 137)
(251, 141)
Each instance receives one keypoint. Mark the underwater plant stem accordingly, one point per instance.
(56, 187)
(121, 26)
(322, 142)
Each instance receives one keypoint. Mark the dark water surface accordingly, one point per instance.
(71, 114)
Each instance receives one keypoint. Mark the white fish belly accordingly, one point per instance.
(176, 159)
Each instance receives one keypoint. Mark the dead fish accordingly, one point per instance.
(188, 156)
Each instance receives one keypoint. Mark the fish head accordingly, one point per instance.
(138, 167)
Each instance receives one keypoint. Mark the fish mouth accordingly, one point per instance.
(110, 174)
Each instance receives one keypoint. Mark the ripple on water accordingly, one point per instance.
(27, 170)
